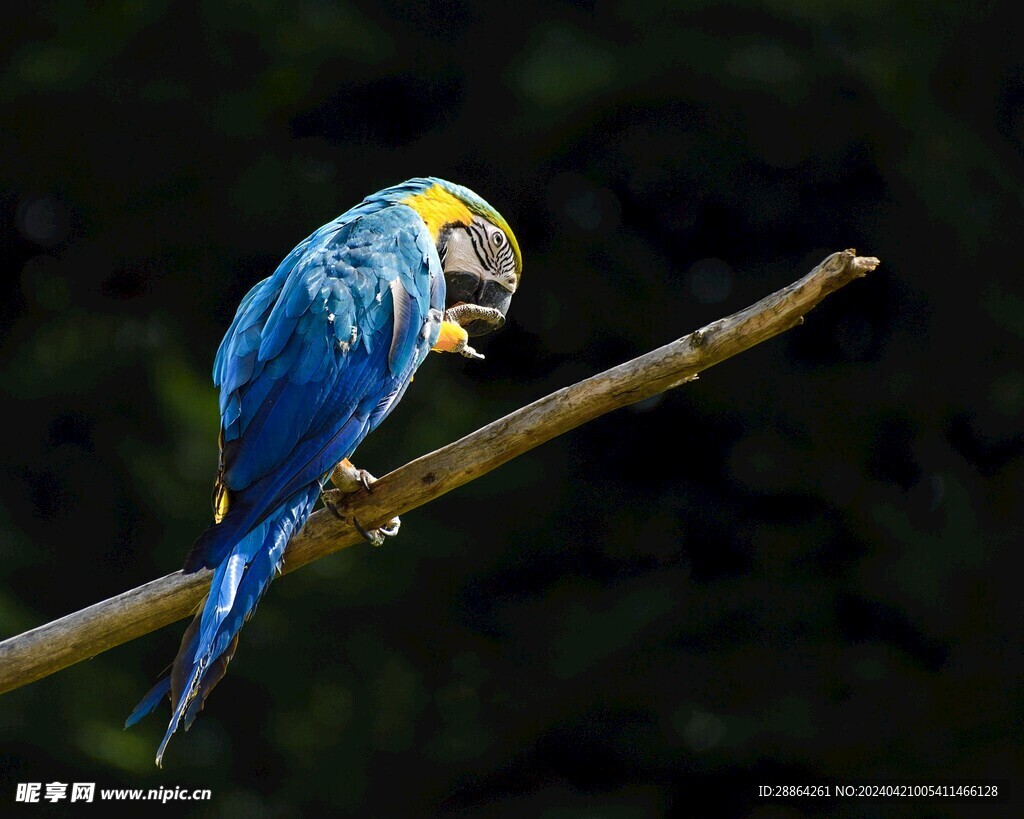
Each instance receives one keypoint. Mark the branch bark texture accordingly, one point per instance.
(49, 648)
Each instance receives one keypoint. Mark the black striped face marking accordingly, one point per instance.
(494, 251)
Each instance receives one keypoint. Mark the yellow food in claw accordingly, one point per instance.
(451, 339)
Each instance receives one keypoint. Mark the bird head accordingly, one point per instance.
(479, 254)
(481, 271)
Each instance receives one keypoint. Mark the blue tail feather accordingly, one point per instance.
(237, 586)
(150, 701)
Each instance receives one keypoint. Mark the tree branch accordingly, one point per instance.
(51, 647)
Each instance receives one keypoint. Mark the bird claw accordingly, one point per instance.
(463, 314)
(367, 480)
(330, 505)
(349, 478)
(376, 537)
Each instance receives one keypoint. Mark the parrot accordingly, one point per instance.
(317, 356)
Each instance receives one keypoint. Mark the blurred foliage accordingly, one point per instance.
(798, 569)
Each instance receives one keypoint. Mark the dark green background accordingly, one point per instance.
(800, 569)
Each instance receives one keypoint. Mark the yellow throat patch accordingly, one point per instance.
(438, 208)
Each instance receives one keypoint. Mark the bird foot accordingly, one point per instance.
(376, 537)
(349, 479)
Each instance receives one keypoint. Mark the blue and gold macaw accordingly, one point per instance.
(316, 357)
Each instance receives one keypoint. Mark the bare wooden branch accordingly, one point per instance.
(44, 650)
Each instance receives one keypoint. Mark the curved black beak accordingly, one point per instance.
(466, 291)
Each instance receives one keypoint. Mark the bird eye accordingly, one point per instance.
(498, 238)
